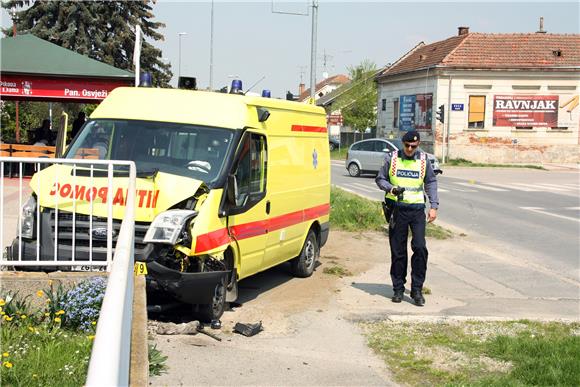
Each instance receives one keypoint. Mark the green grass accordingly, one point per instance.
(43, 355)
(466, 163)
(339, 154)
(350, 212)
(157, 361)
(337, 271)
(479, 353)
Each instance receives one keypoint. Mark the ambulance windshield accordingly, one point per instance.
(181, 149)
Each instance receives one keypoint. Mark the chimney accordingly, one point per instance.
(462, 31)
(300, 88)
(541, 30)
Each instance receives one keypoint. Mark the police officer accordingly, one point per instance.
(409, 169)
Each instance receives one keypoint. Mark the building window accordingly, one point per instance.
(395, 114)
(476, 116)
(384, 104)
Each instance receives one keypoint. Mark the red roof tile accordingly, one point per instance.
(339, 79)
(494, 51)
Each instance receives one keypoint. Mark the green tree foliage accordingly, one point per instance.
(102, 30)
(358, 103)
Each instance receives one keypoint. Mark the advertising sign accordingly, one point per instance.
(415, 111)
(61, 88)
(334, 119)
(525, 110)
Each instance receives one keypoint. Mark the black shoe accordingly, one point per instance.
(417, 296)
(398, 296)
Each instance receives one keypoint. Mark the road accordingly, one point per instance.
(531, 213)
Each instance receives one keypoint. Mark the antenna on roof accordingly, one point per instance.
(251, 87)
(541, 30)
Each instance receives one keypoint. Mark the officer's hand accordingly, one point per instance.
(432, 215)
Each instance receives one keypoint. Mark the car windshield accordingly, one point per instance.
(180, 149)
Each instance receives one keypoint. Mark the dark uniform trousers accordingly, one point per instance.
(398, 235)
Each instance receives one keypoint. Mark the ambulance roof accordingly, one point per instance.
(189, 107)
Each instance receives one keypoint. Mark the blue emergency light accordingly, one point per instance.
(145, 80)
(236, 87)
(266, 93)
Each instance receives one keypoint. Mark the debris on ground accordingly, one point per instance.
(190, 328)
(248, 330)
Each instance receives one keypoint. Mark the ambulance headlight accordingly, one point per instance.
(28, 212)
(167, 226)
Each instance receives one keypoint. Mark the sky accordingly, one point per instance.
(252, 41)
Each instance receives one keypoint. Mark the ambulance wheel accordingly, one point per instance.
(303, 265)
(207, 313)
(353, 170)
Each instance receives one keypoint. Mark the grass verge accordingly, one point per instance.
(339, 154)
(479, 353)
(467, 163)
(350, 212)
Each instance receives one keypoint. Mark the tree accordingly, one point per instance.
(358, 102)
(102, 30)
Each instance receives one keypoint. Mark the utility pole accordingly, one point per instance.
(211, 50)
(313, 50)
(17, 127)
(180, 34)
(312, 43)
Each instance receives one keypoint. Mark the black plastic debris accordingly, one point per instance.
(248, 330)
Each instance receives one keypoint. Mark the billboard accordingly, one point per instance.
(415, 111)
(525, 110)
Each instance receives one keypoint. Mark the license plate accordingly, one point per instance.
(140, 268)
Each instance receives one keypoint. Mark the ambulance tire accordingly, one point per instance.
(215, 310)
(353, 170)
(303, 265)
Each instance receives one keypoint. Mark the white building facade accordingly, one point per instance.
(500, 111)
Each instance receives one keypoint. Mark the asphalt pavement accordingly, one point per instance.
(532, 214)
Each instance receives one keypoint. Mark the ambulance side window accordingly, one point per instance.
(251, 171)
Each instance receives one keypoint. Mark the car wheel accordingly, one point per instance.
(353, 170)
(331, 146)
(303, 265)
(213, 311)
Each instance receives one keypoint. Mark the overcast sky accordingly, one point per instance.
(251, 41)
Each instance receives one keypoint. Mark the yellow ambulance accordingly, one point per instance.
(228, 185)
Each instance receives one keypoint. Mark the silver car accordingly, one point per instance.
(368, 156)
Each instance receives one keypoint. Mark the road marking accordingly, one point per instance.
(442, 190)
(543, 211)
(553, 187)
(572, 208)
(482, 187)
(359, 188)
(526, 187)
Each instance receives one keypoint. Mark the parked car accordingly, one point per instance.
(333, 143)
(368, 156)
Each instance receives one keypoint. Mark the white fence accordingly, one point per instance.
(110, 358)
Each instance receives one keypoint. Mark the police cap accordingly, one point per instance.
(411, 136)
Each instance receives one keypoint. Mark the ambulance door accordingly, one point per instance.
(248, 217)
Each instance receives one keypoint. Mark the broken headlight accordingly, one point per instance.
(167, 226)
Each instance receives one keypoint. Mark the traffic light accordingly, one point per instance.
(441, 113)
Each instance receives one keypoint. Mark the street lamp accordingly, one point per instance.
(180, 34)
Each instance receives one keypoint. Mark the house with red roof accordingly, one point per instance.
(505, 98)
(323, 87)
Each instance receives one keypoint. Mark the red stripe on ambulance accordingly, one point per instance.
(220, 237)
(310, 129)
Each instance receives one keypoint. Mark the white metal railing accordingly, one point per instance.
(110, 358)
(72, 189)
(111, 355)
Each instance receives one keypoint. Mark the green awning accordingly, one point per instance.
(27, 54)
